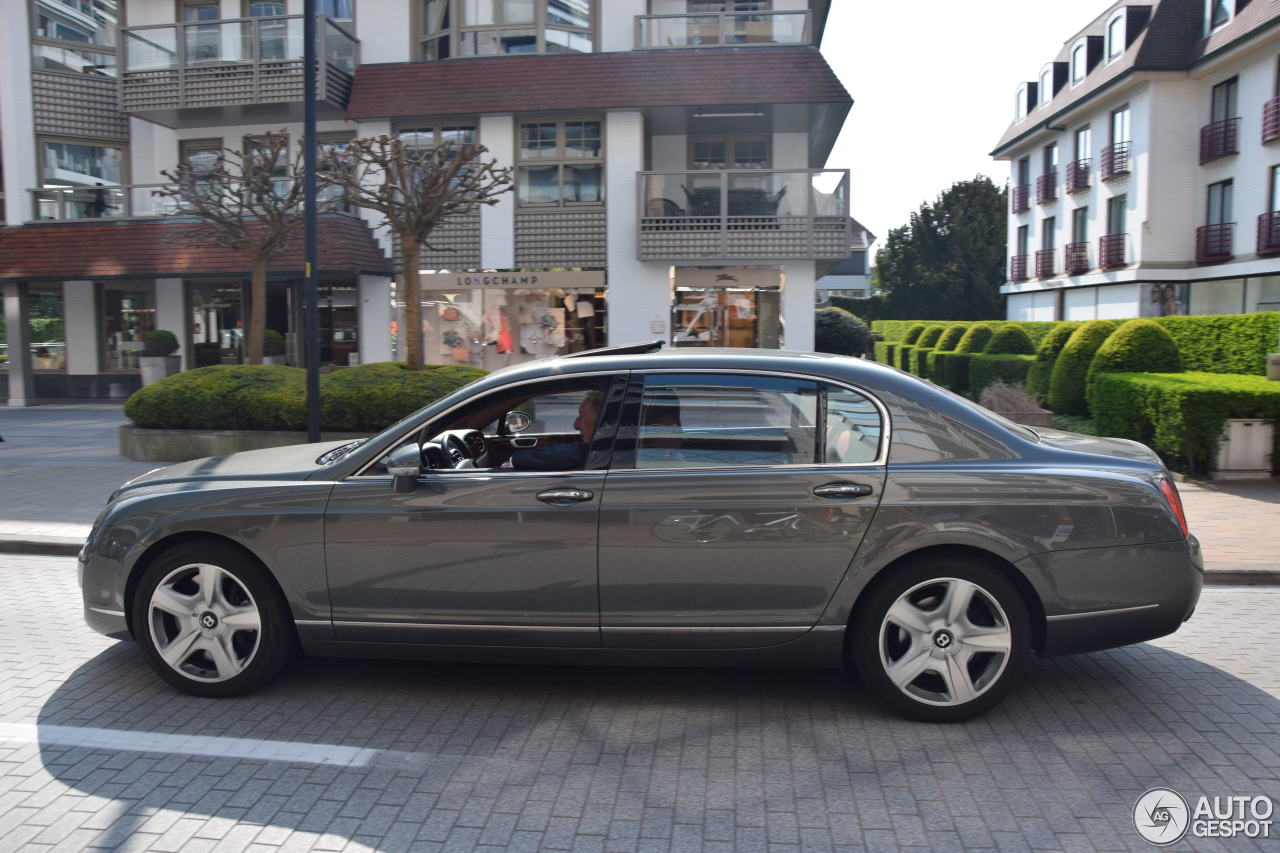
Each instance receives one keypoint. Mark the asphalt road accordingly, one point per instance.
(95, 752)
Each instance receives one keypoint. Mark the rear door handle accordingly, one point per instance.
(565, 497)
(524, 442)
(842, 491)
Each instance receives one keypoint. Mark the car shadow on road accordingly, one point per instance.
(493, 731)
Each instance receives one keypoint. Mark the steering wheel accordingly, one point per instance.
(464, 448)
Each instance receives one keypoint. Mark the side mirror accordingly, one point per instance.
(516, 422)
(404, 464)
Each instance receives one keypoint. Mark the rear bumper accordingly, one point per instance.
(1100, 598)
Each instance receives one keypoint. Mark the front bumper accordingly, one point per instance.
(102, 609)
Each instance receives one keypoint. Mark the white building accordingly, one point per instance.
(667, 153)
(852, 276)
(1146, 169)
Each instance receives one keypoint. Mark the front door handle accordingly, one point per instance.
(565, 497)
(842, 491)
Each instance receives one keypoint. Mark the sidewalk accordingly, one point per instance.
(59, 463)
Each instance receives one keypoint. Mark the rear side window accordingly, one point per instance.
(728, 421)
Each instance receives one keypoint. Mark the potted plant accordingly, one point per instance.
(158, 358)
(272, 347)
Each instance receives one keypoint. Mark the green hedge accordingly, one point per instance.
(925, 345)
(896, 330)
(904, 357)
(1046, 355)
(884, 351)
(1010, 340)
(913, 333)
(1138, 346)
(975, 338)
(951, 370)
(1181, 415)
(356, 399)
(1229, 343)
(986, 369)
(1067, 382)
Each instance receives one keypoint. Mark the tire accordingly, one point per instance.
(210, 620)
(933, 664)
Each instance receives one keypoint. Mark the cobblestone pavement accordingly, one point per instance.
(344, 755)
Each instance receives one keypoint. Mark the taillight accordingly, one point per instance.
(1170, 493)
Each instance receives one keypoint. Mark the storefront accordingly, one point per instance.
(727, 307)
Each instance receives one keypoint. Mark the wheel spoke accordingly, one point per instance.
(179, 647)
(956, 677)
(909, 667)
(210, 581)
(988, 640)
(959, 594)
(906, 615)
(222, 658)
(243, 619)
(170, 601)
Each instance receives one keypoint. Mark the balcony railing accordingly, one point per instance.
(1213, 242)
(1076, 258)
(1219, 139)
(1020, 198)
(1271, 120)
(132, 201)
(722, 29)
(1115, 161)
(747, 214)
(1078, 176)
(1112, 251)
(1045, 263)
(1269, 233)
(233, 62)
(1047, 188)
(1018, 268)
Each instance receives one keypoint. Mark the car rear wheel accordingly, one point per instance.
(941, 640)
(210, 620)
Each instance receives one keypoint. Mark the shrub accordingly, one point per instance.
(1009, 339)
(1181, 415)
(936, 367)
(904, 352)
(951, 369)
(913, 332)
(1138, 346)
(1230, 343)
(975, 338)
(884, 352)
(1005, 397)
(890, 330)
(924, 346)
(1046, 355)
(986, 370)
(272, 342)
(1066, 383)
(951, 337)
(838, 331)
(370, 397)
(159, 343)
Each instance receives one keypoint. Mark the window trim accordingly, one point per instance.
(560, 161)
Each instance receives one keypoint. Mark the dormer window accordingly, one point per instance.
(1046, 85)
(1025, 98)
(1217, 13)
(1079, 61)
(1115, 36)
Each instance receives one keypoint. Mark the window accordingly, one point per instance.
(75, 36)
(744, 153)
(1046, 85)
(1020, 103)
(1116, 207)
(1051, 158)
(1080, 225)
(561, 163)
(1083, 142)
(259, 148)
(726, 421)
(1024, 239)
(1217, 13)
(47, 328)
(1024, 171)
(1079, 62)
(430, 137)
(452, 28)
(339, 10)
(128, 313)
(1047, 227)
(1273, 189)
(1120, 125)
(1225, 97)
(1115, 36)
(1220, 203)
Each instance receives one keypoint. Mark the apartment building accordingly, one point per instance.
(852, 276)
(667, 159)
(1145, 166)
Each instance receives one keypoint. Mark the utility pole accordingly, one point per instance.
(312, 319)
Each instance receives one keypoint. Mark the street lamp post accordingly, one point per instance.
(312, 321)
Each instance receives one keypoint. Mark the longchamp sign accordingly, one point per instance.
(564, 279)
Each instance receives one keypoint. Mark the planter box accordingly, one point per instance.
(179, 445)
(1245, 450)
(157, 367)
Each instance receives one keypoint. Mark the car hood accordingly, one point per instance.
(295, 462)
(1122, 448)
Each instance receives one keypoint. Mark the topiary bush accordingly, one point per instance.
(272, 342)
(975, 338)
(837, 331)
(1011, 340)
(1046, 356)
(1067, 381)
(1138, 346)
(159, 343)
(951, 337)
(370, 397)
(914, 331)
(924, 346)
(988, 369)
(884, 351)
(946, 344)
(1225, 343)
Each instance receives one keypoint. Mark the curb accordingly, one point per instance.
(46, 546)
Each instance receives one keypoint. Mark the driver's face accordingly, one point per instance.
(586, 422)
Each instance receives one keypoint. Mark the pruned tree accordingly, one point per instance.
(246, 201)
(415, 189)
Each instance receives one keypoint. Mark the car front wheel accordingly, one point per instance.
(941, 640)
(210, 621)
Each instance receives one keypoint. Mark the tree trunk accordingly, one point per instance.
(257, 310)
(412, 331)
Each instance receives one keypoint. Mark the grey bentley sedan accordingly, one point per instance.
(637, 506)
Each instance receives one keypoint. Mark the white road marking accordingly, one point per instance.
(208, 746)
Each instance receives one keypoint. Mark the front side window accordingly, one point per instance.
(1115, 36)
(452, 28)
(561, 163)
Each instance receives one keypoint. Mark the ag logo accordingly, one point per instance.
(1161, 816)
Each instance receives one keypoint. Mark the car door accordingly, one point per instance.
(735, 504)
(490, 556)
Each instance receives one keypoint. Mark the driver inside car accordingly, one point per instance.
(567, 456)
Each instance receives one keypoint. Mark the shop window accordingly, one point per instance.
(561, 163)
(128, 312)
(722, 317)
(46, 328)
(339, 325)
(217, 323)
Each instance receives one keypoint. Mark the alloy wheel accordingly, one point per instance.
(204, 623)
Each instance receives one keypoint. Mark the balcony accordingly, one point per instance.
(1076, 258)
(1047, 188)
(212, 72)
(1078, 176)
(1271, 120)
(1269, 233)
(1219, 139)
(1021, 198)
(722, 29)
(744, 215)
(1044, 263)
(127, 201)
(1112, 251)
(1213, 242)
(1017, 268)
(1115, 161)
